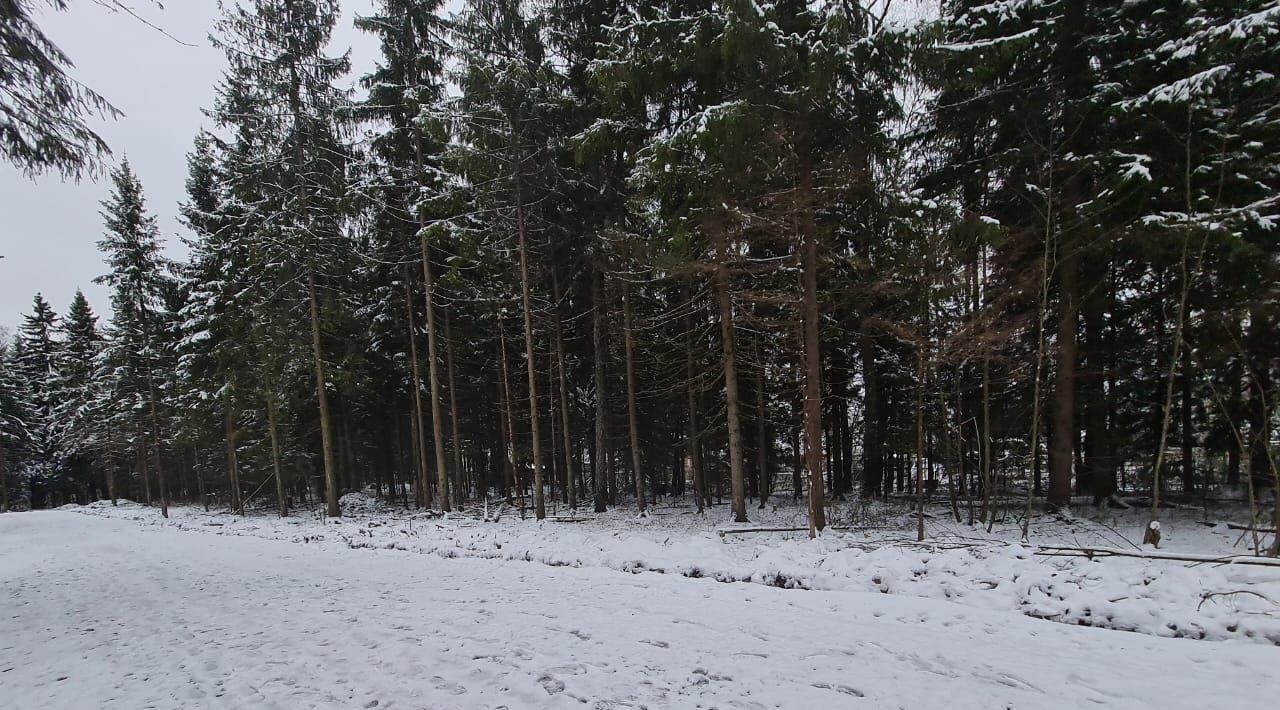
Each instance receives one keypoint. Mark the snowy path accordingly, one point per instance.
(110, 614)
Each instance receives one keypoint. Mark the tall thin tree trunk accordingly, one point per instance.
(571, 476)
(539, 502)
(1188, 435)
(1059, 494)
(459, 485)
(762, 432)
(322, 395)
(4, 481)
(695, 461)
(437, 416)
(421, 483)
(725, 299)
(632, 425)
(598, 466)
(151, 402)
(281, 504)
(233, 462)
(920, 387)
(812, 384)
(1174, 361)
(509, 444)
(872, 453)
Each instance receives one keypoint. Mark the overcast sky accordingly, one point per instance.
(49, 229)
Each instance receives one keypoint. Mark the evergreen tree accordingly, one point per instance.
(287, 169)
(139, 280)
(37, 362)
(76, 426)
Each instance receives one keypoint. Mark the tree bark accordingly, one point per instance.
(812, 384)
(1188, 434)
(233, 463)
(509, 433)
(433, 373)
(872, 454)
(598, 466)
(691, 377)
(1059, 494)
(539, 502)
(459, 485)
(421, 484)
(725, 299)
(571, 477)
(632, 425)
(762, 431)
(322, 395)
(281, 505)
(4, 481)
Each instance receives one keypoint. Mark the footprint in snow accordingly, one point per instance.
(841, 689)
(551, 684)
(448, 687)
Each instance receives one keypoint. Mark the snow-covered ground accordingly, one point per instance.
(108, 613)
(958, 563)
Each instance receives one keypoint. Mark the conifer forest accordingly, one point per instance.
(971, 263)
(727, 251)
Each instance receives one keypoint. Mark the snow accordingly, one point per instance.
(108, 613)
(959, 564)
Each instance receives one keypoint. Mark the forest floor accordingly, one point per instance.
(100, 611)
(870, 547)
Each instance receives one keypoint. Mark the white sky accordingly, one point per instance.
(49, 229)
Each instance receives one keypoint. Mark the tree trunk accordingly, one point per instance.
(4, 481)
(1099, 470)
(872, 455)
(1188, 435)
(695, 461)
(459, 485)
(722, 282)
(762, 431)
(151, 404)
(570, 474)
(1059, 495)
(1234, 408)
(632, 425)
(233, 463)
(812, 384)
(421, 484)
(281, 504)
(322, 395)
(433, 372)
(920, 387)
(509, 442)
(598, 466)
(539, 504)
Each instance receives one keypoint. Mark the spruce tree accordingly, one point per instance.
(287, 167)
(76, 428)
(139, 279)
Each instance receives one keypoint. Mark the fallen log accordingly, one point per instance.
(837, 528)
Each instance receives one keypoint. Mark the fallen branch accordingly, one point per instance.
(1210, 595)
(742, 531)
(1246, 528)
(1092, 552)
